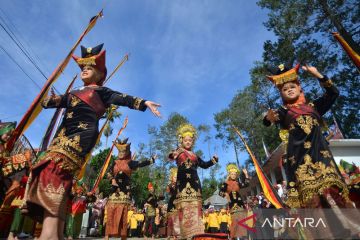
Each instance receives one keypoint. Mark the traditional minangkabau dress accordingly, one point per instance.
(120, 200)
(188, 192)
(313, 176)
(236, 204)
(51, 178)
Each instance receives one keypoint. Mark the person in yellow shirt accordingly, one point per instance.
(224, 220)
(133, 223)
(213, 220)
(140, 217)
(130, 213)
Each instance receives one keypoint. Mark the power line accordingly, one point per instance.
(18, 43)
(19, 34)
(19, 66)
(23, 51)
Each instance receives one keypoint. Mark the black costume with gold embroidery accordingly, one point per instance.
(309, 165)
(120, 199)
(51, 178)
(122, 169)
(78, 131)
(188, 184)
(232, 188)
(171, 189)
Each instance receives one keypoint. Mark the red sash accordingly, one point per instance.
(91, 98)
(305, 109)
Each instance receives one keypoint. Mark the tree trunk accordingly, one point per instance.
(338, 25)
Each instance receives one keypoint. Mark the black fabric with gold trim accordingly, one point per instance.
(78, 131)
(309, 165)
(123, 178)
(232, 188)
(89, 52)
(172, 192)
(188, 184)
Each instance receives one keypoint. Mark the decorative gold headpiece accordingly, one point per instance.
(122, 145)
(231, 167)
(284, 75)
(186, 130)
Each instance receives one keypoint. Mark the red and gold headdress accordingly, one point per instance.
(93, 57)
(285, 75)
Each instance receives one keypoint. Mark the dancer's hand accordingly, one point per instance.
(272, 116)
(53, 97)
(153, 108)
(312, 70)
(215, 159)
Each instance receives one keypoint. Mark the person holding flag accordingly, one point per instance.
(51, 178)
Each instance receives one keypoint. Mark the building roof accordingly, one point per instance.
(215, 199)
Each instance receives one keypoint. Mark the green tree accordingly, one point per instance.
(245, 113)
(96, 164)
(210, 184)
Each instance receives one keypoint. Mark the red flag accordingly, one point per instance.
(268, 190)
(354, 56)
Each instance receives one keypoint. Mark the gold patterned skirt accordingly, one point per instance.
(190, 218)
(49, 187)
(314, 180)
(321, 187)
(237, 230)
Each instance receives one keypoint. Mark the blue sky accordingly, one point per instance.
(191, 56)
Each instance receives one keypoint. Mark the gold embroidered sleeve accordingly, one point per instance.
(54, 102)
(137, 103)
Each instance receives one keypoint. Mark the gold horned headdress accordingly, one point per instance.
(122, 145)
(186, 130)
(231, 167)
